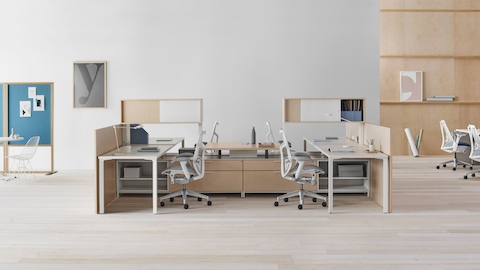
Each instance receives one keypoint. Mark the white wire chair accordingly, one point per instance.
(22, 160)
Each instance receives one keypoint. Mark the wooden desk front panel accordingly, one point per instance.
(264, 176)
(220, 176)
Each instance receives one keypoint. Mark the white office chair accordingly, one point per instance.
(451, 144)
(214, 138)
(474, 148)
(22, 160)
(300, 173)
(191, 168)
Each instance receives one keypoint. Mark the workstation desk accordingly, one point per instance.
(358, 151)
(135, 153)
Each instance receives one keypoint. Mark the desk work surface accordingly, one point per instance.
(358, 150)
(238, 146)
(136, 153)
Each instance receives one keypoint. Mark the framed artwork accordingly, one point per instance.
(411, 86)
(90, 84)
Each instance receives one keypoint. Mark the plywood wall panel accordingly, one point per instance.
(466, 4)
(467, 33)
(438, 75)
(429, 4)
(392, 33)
(467, 83)
(390, 78)
(429, 33)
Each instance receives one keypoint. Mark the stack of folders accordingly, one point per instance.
(441, 98)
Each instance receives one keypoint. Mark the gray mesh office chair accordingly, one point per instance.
(191, 168)
(22, 160)
(300, 173)
(474, 148)
(451, 144)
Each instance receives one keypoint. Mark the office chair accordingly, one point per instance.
(300, 173)
(214, 137)
(451, 144)
(191, 168)
(22, 160)
(474, 147)
(269, 137)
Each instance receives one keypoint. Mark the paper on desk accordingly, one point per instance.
(341, 149)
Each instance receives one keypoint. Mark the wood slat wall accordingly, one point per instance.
(440, 38)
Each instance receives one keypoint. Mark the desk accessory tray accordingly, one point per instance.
(266, 144)
(149, 149)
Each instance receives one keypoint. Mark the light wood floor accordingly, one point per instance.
(435, 224)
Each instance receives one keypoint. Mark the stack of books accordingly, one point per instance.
(441, 98)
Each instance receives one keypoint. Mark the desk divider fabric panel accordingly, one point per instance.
(158, 111)
(105, 142)
(40, 122)
(381, 135)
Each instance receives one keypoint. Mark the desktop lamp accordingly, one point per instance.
(118, 153)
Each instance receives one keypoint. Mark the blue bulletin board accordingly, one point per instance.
(30, 111)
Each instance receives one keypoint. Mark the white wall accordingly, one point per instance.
(241, 56)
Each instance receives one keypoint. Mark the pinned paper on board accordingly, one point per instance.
(39, 103)
(25, 109)
(32, 92)
(411, 85)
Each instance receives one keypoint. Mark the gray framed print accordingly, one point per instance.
(90, 84)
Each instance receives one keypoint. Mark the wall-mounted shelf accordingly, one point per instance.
(322, 110)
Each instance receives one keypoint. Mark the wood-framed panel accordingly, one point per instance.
(34, 120)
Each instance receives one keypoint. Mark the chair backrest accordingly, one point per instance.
(214, 137)
(474, 143)
(448, 142)
(285, 155)
(269, 137)
(199, 156)
(30, 147)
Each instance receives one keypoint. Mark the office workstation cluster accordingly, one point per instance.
(332, 166)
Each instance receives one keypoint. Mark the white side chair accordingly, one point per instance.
(22, 161)
(191, 168)
(451, 144)
(299, 173)
(474, 148)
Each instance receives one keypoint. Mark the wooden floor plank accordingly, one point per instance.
(435, 224)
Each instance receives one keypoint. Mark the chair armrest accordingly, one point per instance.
(181, 159)
(302, 156)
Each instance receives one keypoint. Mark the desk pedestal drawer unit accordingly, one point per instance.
(349, 176)
(135, 176)
(221, 176)
(263, 176)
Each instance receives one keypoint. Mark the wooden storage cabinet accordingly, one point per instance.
(262, 176)
(347, 178)
(141, 183)
(221, 176)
